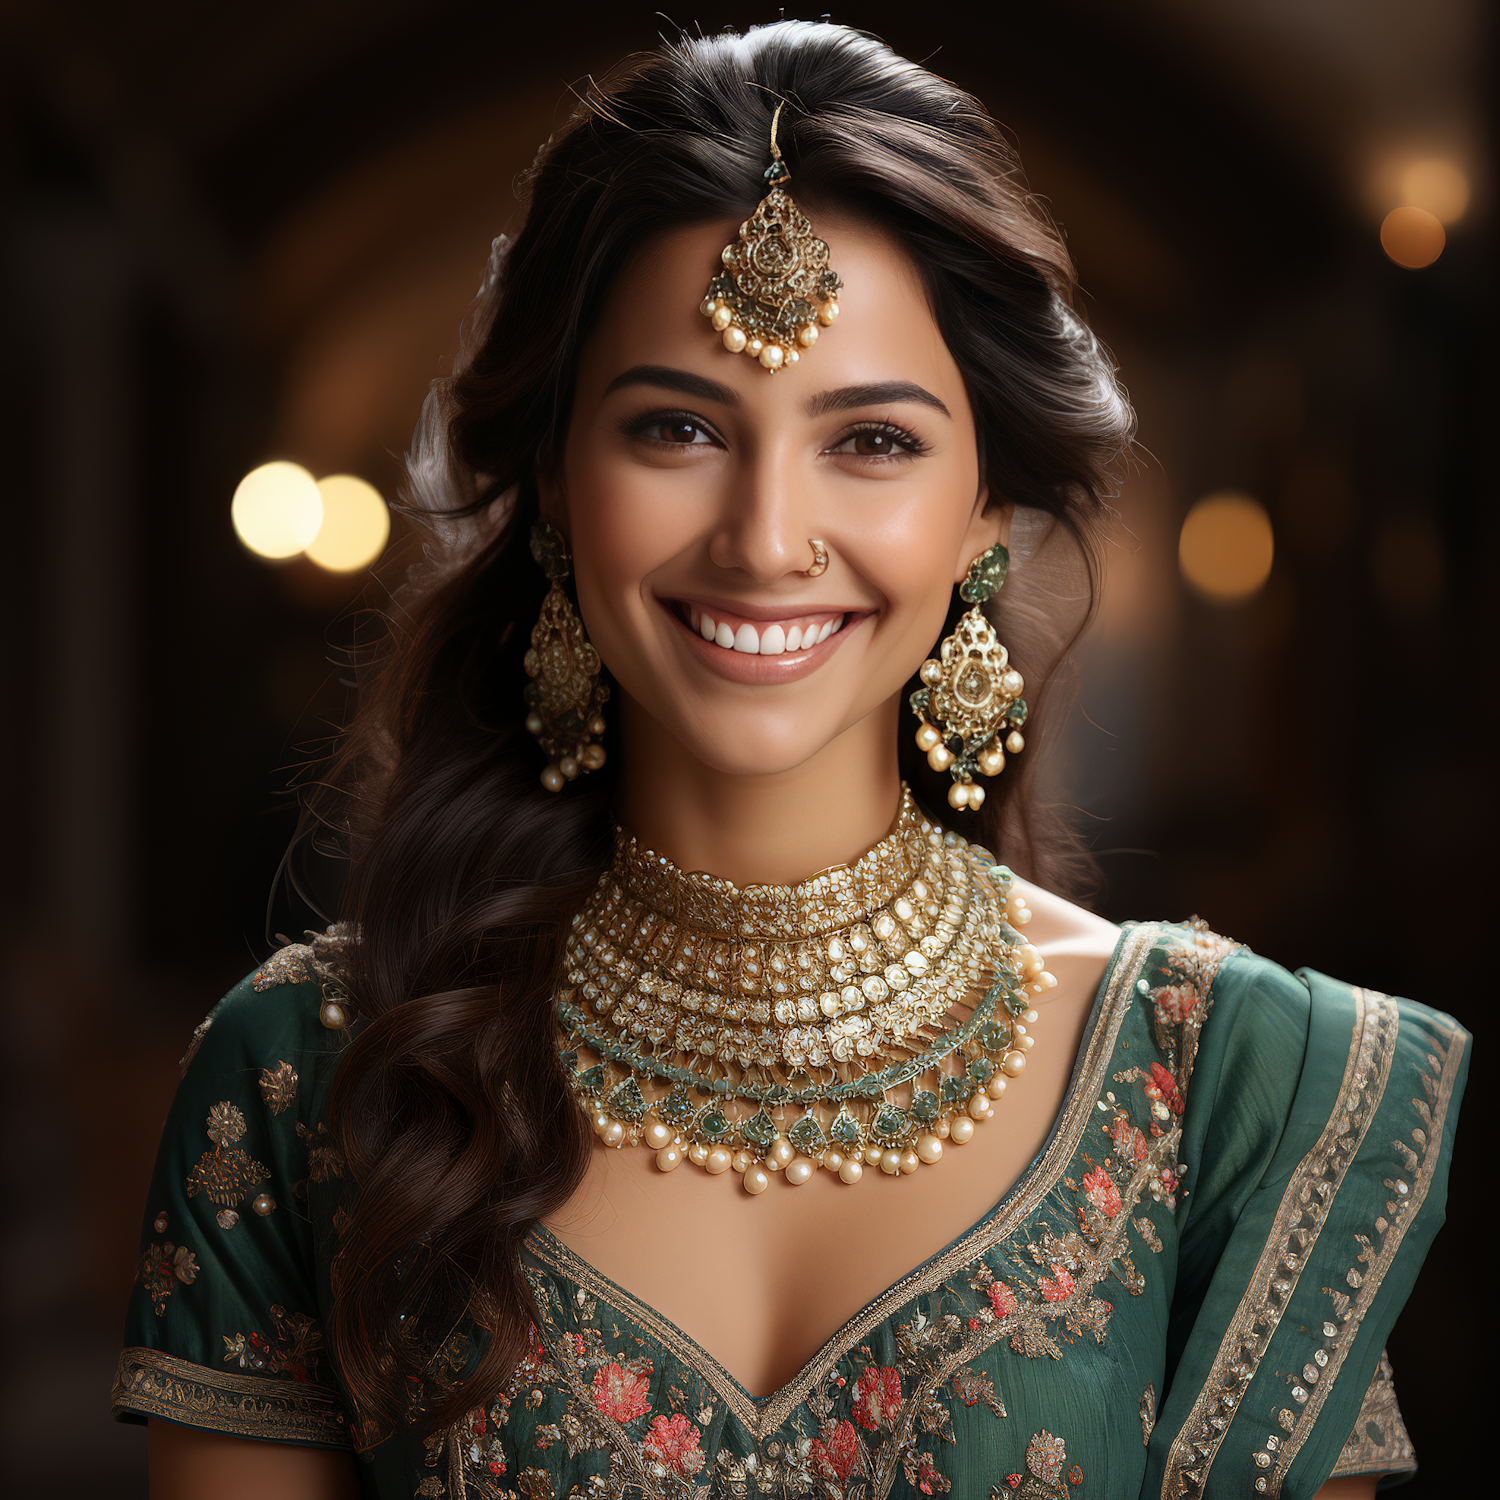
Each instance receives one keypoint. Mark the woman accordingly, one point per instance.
(482, 1184)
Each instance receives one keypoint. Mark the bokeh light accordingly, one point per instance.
(276, 509)
(1226, 547)
(1412, 237)
(1437, 185)
(356, 524)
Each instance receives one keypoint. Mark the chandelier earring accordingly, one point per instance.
(970, 706)
(567, 688)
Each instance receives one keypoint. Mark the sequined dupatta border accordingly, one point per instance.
(1299, 1220)
(760, 1416)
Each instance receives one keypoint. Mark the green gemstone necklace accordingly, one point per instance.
(863, 1018)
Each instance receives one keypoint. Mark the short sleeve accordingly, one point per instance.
(223, 1329)
(1316, 1143)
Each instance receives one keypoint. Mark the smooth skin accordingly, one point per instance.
(693, 479)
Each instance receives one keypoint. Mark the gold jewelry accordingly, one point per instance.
(820, 558)
(972, 695)
(864, 1017)
(567, 689)
(776, 288)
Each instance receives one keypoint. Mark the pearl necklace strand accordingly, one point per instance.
(863, 1018)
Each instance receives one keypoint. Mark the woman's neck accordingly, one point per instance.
(776, 829)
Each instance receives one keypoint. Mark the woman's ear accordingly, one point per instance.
(989, 523)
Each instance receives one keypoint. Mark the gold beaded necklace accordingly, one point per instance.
(864, 1017)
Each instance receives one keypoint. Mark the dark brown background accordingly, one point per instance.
(237, 233)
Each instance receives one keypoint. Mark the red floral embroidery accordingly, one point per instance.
(1130, 1143)
(1002, 1299)
(834, 1455)
(928, 1478)
(1164, 1087)
(1056, 1289)
(1099, 1188)
(621, 1394)
(673, 1441)
(1175, 1002)
(877, 1397)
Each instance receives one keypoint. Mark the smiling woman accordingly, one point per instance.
(765, 935)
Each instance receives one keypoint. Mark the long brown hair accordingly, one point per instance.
(450, 1103)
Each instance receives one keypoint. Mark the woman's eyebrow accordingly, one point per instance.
(668, 378)
(880, 393)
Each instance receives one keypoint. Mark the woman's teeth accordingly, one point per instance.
(768, 640)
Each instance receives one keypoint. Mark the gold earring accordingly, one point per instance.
(972, 695)
(567, 689)
(820, 558)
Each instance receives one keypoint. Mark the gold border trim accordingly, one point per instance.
(1372, 1044)
(1378, 1265)
(1361, 1453)
(768, 1414)
(149, 1383)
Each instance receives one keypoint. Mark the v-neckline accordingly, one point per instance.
(761, 1414)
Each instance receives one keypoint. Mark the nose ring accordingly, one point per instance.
(820, 559)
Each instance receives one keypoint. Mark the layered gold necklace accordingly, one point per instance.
(862, 1018)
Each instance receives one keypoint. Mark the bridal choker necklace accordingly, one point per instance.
(863, 1018)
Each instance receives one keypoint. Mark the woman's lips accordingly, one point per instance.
(734, 646)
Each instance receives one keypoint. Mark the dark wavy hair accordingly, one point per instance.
(463, 873)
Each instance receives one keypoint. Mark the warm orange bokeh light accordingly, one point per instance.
(1226, 547)
(1412, 237)
(1437, 185)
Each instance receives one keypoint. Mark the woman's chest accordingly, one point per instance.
(1019, 1363)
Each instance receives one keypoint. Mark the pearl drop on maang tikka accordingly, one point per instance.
(776, 291)
(990, 1046)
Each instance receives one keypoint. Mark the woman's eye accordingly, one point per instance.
(673, 430)
(878, 442)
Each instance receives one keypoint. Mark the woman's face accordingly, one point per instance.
(692, 481)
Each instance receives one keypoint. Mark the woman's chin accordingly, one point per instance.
(746, 753)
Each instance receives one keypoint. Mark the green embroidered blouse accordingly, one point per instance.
(1187, 1293)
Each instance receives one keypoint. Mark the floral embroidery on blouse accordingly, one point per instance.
(226, 1174)
(1044, 1477)
(278, 1086)
(1148, 1412)
(324, 1160)
(162, 1267)
(293, 1348)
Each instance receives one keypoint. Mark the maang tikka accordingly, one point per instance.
(971, 700)
(776, 289)
(567, 689)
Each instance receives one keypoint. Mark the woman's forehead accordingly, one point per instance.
(886, 331)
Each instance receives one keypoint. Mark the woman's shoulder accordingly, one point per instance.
(1281, 1063)
(293, 1004)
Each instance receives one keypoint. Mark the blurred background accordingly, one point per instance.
(237, 235)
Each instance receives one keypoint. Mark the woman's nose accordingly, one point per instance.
(766, 520)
